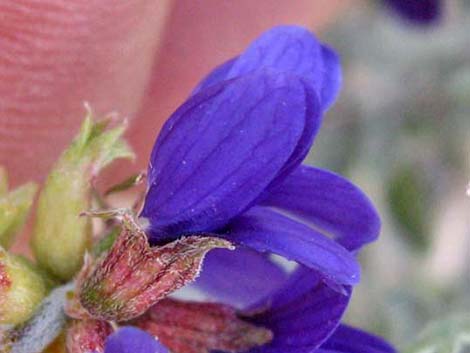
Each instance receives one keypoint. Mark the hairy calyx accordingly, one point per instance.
(192, 327)
(132, 276)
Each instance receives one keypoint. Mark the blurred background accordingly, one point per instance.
(400, 129)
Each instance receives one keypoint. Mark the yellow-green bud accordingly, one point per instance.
(14, 207)
(61, 237)
(22, 289)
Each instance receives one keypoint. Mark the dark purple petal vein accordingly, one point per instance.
(220, 150)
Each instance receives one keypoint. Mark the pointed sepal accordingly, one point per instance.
(133, 276)
(60, 237)
(14, 208)
(191, 327)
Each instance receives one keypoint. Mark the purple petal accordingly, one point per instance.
(333, 78)
(240, 277)
(132, 340)
(267, 231)
(217, 75)
(417, 11)
(302, 314)
(347, 339)
(293, 50)
(290, 49)
(305, 143)
(330, 202)
(220, 150)
(312, 123)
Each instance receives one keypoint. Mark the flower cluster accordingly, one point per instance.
(228, 163)
(227, 191)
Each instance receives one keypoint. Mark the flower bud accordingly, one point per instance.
(132, 276)
(87, 336)
(14, 207)
(22, 289)
(60, 236)
(190, 327)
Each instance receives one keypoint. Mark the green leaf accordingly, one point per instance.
(61, 237)
(14, 208)
(451, 335)
(408, 199)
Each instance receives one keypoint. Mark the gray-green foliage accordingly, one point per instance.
(408, 198)
(451, 335)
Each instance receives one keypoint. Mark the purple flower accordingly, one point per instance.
(228, 163)
(301, 314)
(133, 340)
(303, 317)
(417, 11)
